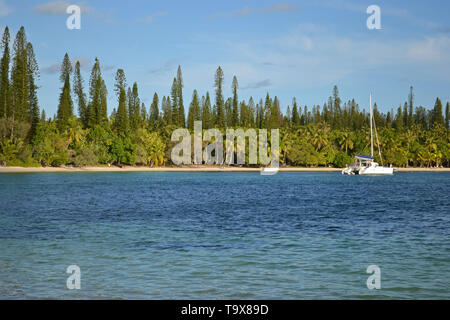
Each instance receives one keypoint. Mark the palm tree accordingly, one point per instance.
(318, 136)
(10, 148)
(409, 137)
(286, 145)
(424, 157)
(156, 156)
(74, 132)
(346, 141)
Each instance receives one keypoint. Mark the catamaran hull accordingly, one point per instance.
(376, 171)
(368, 171)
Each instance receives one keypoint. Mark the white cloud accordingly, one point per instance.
(4, 9)
(281, 7)
(296, 41)
(318, 58)
(259, 84)
(359, 7)
(431, 50)
(152, 18)
(52, 69)
(57, 7)
(237, 13)
(342, 4)
(85, 63)
(169, 65)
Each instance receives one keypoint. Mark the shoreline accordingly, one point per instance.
(200, 168)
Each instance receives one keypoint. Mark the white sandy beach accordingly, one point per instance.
(199, 168)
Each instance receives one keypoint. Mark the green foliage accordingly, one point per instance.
(330, 135)
(295, 115)
(121, 123)
(152, 148)
(85, 156)
(207, 116)
(194, 113)
(235, 112)
(101, 138)
(134, 109)
(78, 88)
(97, 107)
(5, 107)
(9, 149)
(180, 104)
(220, 105)
(341, 159)
(154, 110)
(16, 153)
(65, 107)
(19, 84)
(49, 147)
(174, 107)
(123, 151)
(10, 128)
(437, 117)
(32, 74)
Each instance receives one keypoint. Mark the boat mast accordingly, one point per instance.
(371, 131)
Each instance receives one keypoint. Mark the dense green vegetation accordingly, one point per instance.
(328, 135)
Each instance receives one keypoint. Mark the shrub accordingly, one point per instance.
(85, 157)
(341, 159)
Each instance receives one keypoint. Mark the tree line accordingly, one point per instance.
(82, 133)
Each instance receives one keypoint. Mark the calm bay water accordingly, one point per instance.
(224, 235)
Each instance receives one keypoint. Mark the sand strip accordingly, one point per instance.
(188, 169)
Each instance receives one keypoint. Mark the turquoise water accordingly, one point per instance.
(224, 235)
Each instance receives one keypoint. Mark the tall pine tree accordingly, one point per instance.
(32, 75)
(121, 119)
(206, 113)
(399, 119)
(220, 103)
(134, 108)
(410, 106)
(97, 107)
(121, 82)
(78, 89)
(436, 115)
(19, 86)
(180, 103)
(447, 115)
(65, 106)
(166, 106)
(235, 112)
(5, 108)
(175, 113)
(154, 110)
(194, 110)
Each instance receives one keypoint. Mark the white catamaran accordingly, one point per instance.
(365, 164)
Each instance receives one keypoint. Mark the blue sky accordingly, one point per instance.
(288, 48)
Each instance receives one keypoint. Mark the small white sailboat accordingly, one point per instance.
(365, 165)
(268, 171)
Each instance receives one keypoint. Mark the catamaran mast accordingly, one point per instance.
(371, 131)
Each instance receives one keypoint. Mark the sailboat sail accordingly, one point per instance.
(366, 165)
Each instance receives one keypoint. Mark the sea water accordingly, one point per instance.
(175, 235)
